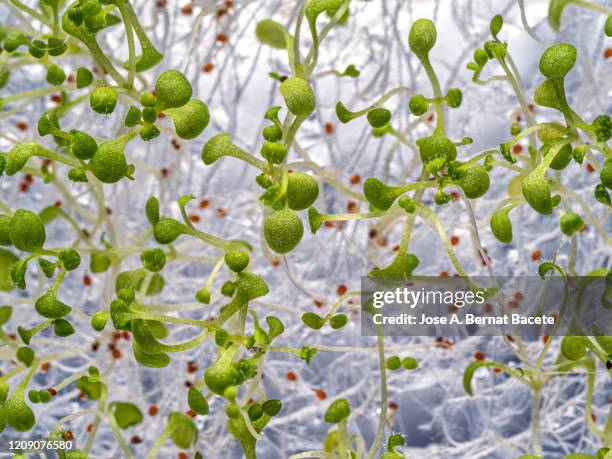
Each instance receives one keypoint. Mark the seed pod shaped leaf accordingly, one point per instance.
(70, 258)
(184, 432)
(283, 230)
(557, 61)
(50, 307)
(302, 191)
(573, 347)
(152, 210)
(18, 414)
(337, 411)
(166, 230)
(190, 119)
(153, 260)
(379, 194)
(608, 26)
(27, 231)
(83, 78)
(172, 90)
(298, 95)
(501, 226)
(108, 163)
(546, 96)
(562, 158)
(126, 414)
(422, 37)
(19, 155)
(537, 193)
(5, 230)
(605, 175)
(218, 146)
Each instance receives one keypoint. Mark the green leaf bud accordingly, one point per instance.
(27, 231)
(406, 203)
(230, 393)
(5, 230)
(99, 319)
(410, 363)
(82, 145)
(608, 26)
(166, 230)
(133, 116)
(398, 270)
(99, 262)
(273, 133)
(602, 126)
(315, 220)
(203, 296)
(190, 119)
(573, 347)
(33, 396)
(14, 40)
(302, 191)
(108, 163)
(19, 155)
(441, 198)
(149, 115)
(152, 210)
(474, 181)
(126, 414)
(605, 175)
(501, 226)
(70, 258)
(197, 402)
(379, 117)
(251, 286)
(236, 260)
(271, 33)
(338, 321)
(571, 223)
(127, 295)
(275, 326)
(283, 230)
(314, 8)
(393, 363)
(37, 48)
(47, 267)
(337, 411)
(78, 174)
(496, 25)
(272, 407)
(313, 320)
(536, 191)
(19, 415)
(172, 90)
(83, 78)
(481, 57)
(418, 105)
(103, 100)
(379, 194)
(436, 146)
(228, 289)
(496, 49)
(147, 99)
(422, 37)
(149, 132)
(48, 123)
(50, 307)
(25, 355)
(453, 98)
(274, 152)
(298, 96)
(63, 328)
(55, 75)
(153, 260)
(44, 395)
(557, 61)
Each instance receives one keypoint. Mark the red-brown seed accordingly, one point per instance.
(454, 240)
(153, 410)
(341, 289)
(291, 376)
(207, 68)
(321, 395)
(187, 9)
(329, 128)
(22, 125)
(204, 203)
(608, 53)
(135, 440)
(86, 280)
(355, 179)
(194, 218)
(517, 149)
(590, 168)
(479, 356)
(536, 255)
